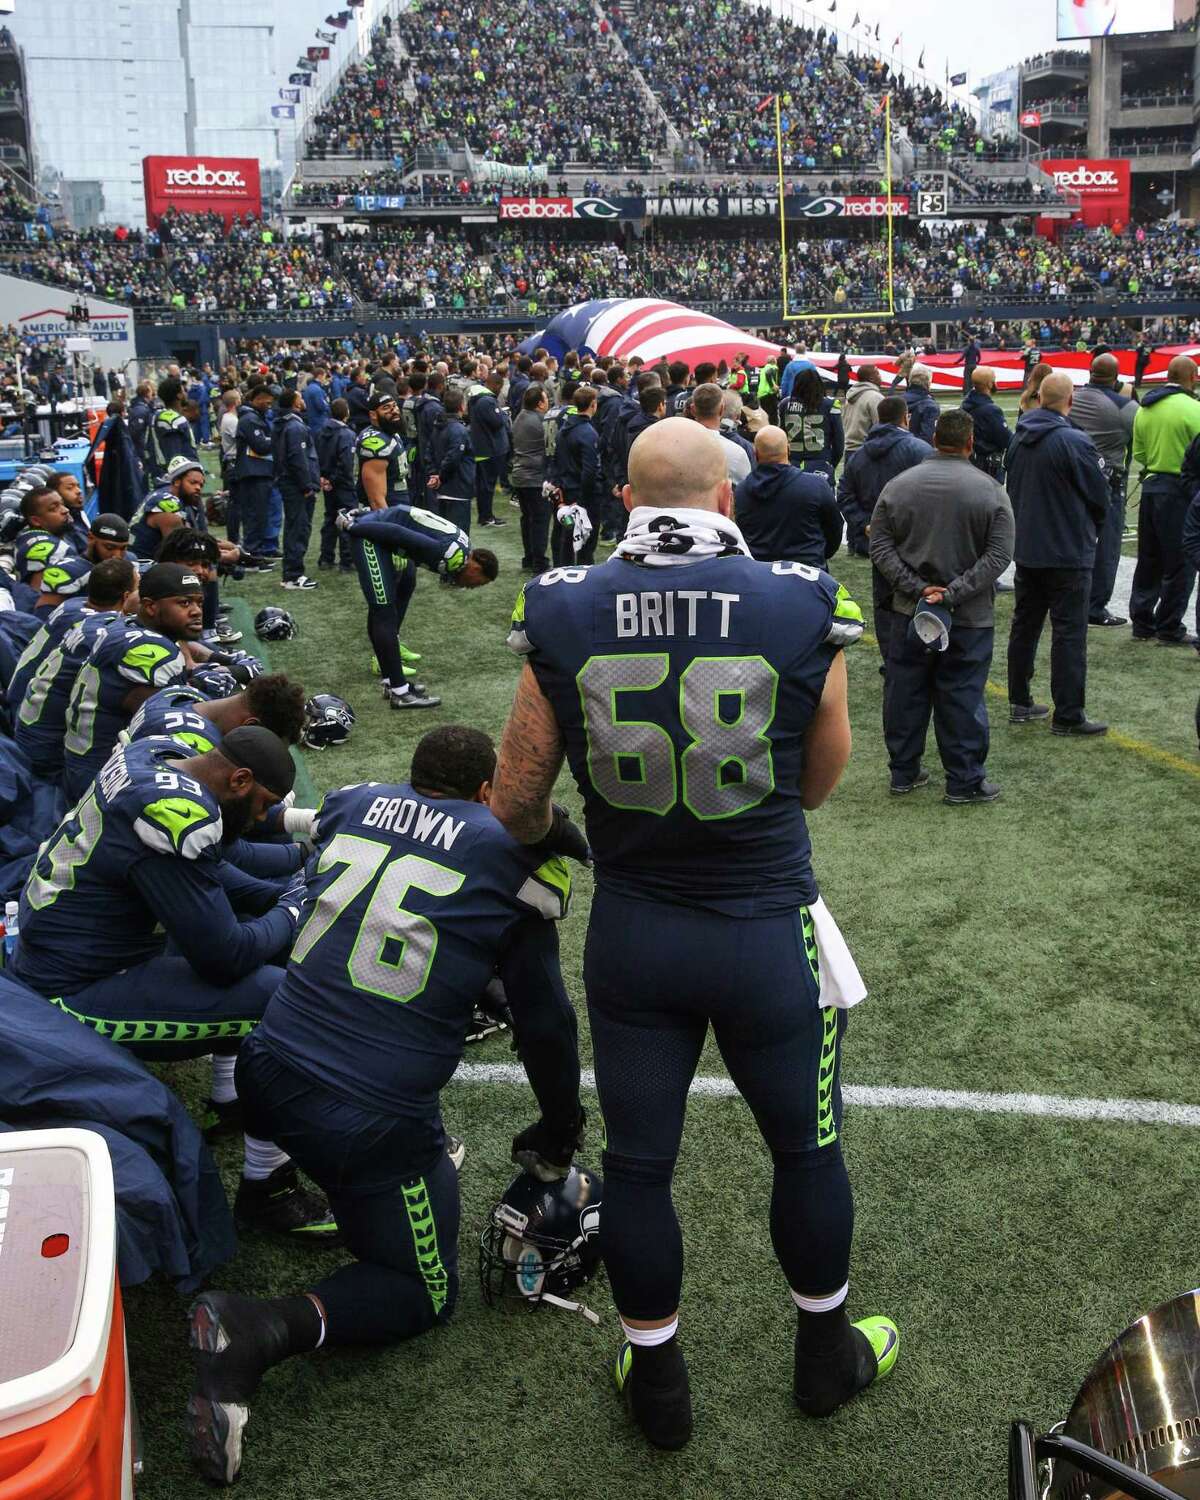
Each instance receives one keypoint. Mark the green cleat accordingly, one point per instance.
(884, 1339)
(824, 1382)
(406, 655)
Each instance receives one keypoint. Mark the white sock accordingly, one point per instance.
(822, 1304)
(647, 1338)
(398, 689)
(321, 1315)
(262, 1158)
(224, 1091)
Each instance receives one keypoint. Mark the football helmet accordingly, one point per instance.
(216, 508)
(328, 720)
(275, 624)
(540, 1240)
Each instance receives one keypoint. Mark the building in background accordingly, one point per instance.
(190, 78)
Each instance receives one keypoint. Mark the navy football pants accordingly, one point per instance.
(391, 1186)
(387, 590)
(656, 976)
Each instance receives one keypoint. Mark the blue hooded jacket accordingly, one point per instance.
(788, 515)
(886, 452)
(992, 432)
(296, 466)
(923, 412)
(1059, 491)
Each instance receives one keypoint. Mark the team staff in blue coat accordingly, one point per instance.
(575, 468)
(452, 467)
(336, 446)
(889, 449)
(140, 419)
(992, 432)
(491, 440)
(427, 410)
(254, 466)
(923, 410)
(358, 398)
(316, 401)
(1059, 494)
(786, 515)
(299, 479)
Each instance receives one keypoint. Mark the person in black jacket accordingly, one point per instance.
(491, 437)
(786, 514)
(992, 434)
(140, 418)
(298, 478)
(923, 410)
(336, 447)
(575, 468)
(254, 468)
(428, 409)
(358, 398)
(1059, 493)
(451, 476)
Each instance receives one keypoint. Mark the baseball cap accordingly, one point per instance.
(168, 581)
(179, 466)
(263, 754)
(931, 625)
(110, 527)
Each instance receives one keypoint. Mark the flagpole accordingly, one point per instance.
(782, 218)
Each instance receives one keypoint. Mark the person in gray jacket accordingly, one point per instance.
(941, 534)
(1100, 410)
(528, 475)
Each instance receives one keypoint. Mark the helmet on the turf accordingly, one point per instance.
(215, 681)
(541, 1240)
(216, 508)
(274, 624)
(328, 720)
(11, 521)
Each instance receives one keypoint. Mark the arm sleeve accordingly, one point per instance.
(192, 905)
(589, 469)
(996, 557)
(450, 457)
(249, 894)
(885, 556)
(343, 468)
(1093, 482)
(544, 1022)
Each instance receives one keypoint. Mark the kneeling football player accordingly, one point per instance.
(416, 896)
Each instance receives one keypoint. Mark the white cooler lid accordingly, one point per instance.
(57, 1268)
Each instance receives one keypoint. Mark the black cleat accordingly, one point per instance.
(1027, 713)
(902, 788)
(484, 1024)
(235, 1341)
(1084, 727)
(413, 699)
(662, 1411)
(280, 1205)
(1107, 618)
(986, 791)
(220, 1121)
(822, 1383)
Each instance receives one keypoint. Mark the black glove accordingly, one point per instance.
(565, 838)
(547, 1152)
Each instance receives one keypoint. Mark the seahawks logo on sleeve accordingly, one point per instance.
(151, 663)
(67, 576)
(179, 824)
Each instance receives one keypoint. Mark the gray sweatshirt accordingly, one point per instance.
(860, 413)
(944, 522)
(1107, 418)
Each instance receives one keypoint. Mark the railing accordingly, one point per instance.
(1150, 148)
(1156, 101)
(1060, 106)
(1056, 59)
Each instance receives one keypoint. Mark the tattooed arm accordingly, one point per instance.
(531, 755)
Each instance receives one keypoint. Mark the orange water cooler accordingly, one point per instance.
(65, 1410)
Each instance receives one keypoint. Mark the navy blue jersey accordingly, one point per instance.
(412, 901)
(45, 639)
(172, 714)
(386, 447)
(814, 437)
(36, 550)
(138, 856)
(67, 577)
(124, 659)
(40, 724)
(683, 695)
(408, 531)
(145, 539)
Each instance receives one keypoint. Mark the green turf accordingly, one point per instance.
(1042, 943)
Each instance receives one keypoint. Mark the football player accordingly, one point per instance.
(416, 896)
(388, 545)
(65, 577)
(126, 666)
(42, 540)
(140, 856)
(174, 502)
(41, 684)
(700, 697)
(382, 459)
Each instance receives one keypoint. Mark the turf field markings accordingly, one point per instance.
(885, 1096)
(1141, 748)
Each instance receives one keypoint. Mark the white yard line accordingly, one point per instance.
(883, 1096)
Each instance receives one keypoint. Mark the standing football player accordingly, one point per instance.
(700, 698)
(417, 896)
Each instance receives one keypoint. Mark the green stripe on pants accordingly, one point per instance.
(424, 1233)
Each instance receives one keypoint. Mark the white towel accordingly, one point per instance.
(841, 983)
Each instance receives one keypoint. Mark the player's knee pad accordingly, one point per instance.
(637, 1171)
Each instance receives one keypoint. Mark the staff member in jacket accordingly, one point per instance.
(336, 445)
(923, 410)
(254, 468)
(784, 514)
(427, 410)
(942, 534)
(889, 450)
(1100, 410)
(1059, 493)
(1166, 424)
(316, 402)
(140, 420)
(451, 480)
(358, 398)
(576, 471)
(528, 476)
(491, 440)
(992, 432)
(299, 479)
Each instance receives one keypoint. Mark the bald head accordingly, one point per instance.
(1105, 369)
(771, 445)
(1182, 371)
(983, 380)
(677, 464)
(1057, 392)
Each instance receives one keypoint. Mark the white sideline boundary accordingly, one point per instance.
(883, 1096)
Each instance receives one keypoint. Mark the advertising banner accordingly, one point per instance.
(1088, 18)
(226, 185)
(1103, 188)
(40, 312)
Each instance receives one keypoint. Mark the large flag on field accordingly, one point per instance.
(648, 327)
